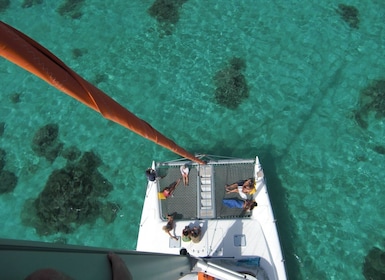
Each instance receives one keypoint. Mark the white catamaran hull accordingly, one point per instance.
(248, 244)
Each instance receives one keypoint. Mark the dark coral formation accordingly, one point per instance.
(100, 78)
(71, 8)
(71, 197)
(30, 3)
(349, 14)
(374, 265)
(15, 97)
(45, 142)
(4, 4)
(109, 211)
(231, 85)
(72, 153)
(2, 128)
(76, 53)
(372, 101)
(166, 12)
(379, 149)
(8, 180)
(2, 159)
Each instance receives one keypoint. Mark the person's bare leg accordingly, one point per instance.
(173, 187)
(231, 188)
(119, 268)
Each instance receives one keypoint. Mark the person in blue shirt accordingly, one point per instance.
(241, 204)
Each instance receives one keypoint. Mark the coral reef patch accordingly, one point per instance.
(15, 97)
(45, 142)
(2, 159)
(100, 78)
(71, 8)
(4, 4)
(77, 53)
(349, 14)
(30, 3)
(166, 12)
(371, 102)
(8, 180)
(231, 86)
(374, 265)
(2, 128)
(71, 153)
(379, 149)
(71, 197)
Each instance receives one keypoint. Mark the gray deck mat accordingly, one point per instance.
(183, 204)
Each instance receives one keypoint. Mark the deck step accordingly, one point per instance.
(205, 170)
(206, 181)
(207, 199)
(206, 188)
(206, 202)
(207, 213)
(206, 195)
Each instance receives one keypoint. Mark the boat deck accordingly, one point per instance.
(202, 198)
(226, 233)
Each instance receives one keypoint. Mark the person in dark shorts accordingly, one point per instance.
(170, 226)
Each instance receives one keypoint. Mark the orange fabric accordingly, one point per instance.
(28, 54)
(202, 276)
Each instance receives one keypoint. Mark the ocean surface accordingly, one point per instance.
(306, 68)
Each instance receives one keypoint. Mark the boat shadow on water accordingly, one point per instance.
(285, 222)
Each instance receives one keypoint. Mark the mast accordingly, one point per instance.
(33, 57)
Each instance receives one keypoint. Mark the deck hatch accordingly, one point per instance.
(239, 240)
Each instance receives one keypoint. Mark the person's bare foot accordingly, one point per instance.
(119, 268)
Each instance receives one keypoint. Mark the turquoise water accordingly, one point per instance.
(305, 70)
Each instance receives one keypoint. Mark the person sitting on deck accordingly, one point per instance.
(195, 234)
(241, 204)
(170, 226)
(186, 234)
(184, 171)
(168, 191)
(151, 174)
(242, 187)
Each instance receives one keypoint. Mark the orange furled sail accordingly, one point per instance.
(30, 55)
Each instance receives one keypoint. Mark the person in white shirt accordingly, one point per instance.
(184, 171)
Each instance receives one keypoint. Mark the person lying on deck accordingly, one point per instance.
(168, 191)
(170, 226)
(242, 187)
(241, 204)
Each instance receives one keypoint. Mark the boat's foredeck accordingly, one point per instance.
(226, 233)
(202, 198)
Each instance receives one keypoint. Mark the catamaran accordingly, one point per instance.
(193, 225)
(235, 243)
